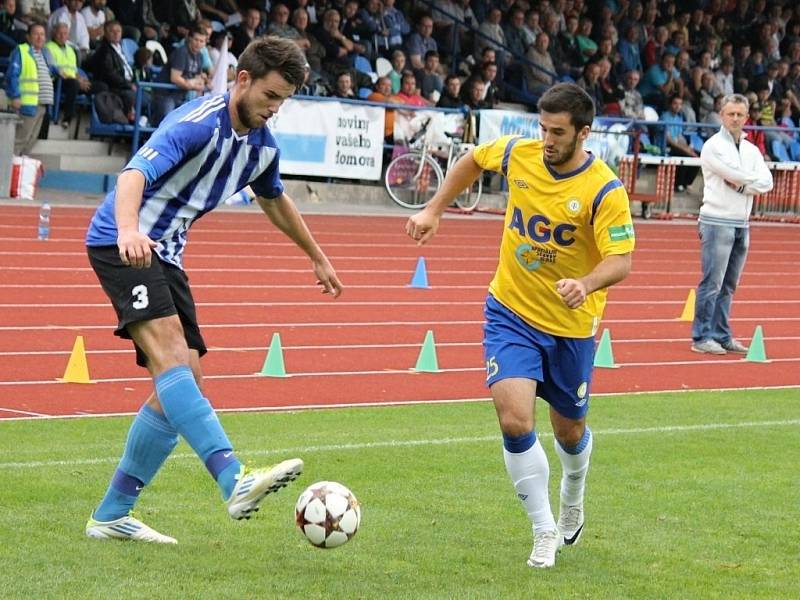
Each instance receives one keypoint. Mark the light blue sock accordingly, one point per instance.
(150, 441)
(193, 417)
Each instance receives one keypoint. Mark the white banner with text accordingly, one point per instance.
(329, 139)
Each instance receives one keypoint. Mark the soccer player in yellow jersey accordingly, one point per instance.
(568, 237)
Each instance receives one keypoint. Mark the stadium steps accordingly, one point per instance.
(84, 156)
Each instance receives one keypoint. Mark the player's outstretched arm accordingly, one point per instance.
(135, 248)
(423, 225)
(612, 269)
(283, 213)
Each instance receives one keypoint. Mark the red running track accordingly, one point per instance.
(250, 282)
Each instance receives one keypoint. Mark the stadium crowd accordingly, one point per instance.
(678, 57)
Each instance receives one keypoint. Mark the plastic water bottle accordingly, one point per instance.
(44, 222)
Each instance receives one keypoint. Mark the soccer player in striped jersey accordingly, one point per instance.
(568, 236)
(203, 152)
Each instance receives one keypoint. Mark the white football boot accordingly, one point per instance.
(125, 528)
(545, 547)
(253, 485)
(570, 523)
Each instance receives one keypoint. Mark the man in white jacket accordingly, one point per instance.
(733, 171)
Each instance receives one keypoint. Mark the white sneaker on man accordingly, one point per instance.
(570, 523)
(125, 528)
(545, 547)
(708, 347)
(253, 485)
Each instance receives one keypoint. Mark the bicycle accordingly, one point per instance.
(413, 178)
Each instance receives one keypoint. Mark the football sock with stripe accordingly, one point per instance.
(575, 466)
(192, 416)
(150, 441)
(529, 470)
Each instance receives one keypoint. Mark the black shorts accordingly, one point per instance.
(162, 290)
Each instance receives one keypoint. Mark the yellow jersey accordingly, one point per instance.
(557, 226)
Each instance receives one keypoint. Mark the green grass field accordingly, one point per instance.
(690, 496)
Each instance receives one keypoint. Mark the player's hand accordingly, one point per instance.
(326, 277)
(422, 226)
(572, 292)
(135, 249)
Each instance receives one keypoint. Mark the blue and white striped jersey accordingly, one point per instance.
(193, 161)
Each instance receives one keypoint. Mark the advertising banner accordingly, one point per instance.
(329, 139)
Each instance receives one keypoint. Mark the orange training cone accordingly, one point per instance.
(77, 369)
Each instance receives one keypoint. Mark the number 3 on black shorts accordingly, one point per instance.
(140, 293)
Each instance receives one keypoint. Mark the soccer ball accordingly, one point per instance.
(328, 514)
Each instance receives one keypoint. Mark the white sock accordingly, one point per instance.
(574, 470)
(530, 473)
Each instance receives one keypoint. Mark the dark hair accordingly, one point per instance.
(569, 98)
(268, 53)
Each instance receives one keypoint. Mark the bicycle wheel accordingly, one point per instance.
(469, 198)
(411, 182)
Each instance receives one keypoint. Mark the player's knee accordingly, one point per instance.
(569, 434)
(514, 425)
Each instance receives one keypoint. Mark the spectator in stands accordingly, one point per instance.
(628, 47)
(382, 92)
(724, 76)
(183, 69)
(587, 45)
(677, 143)
(29, 88)
(532, 26)
(421, 42)
(491, 34)
(408, 93)
(398, 66)
(218, 10)
(344, 86)
(371, 17)
(589, 82)
(429, 81)
(660, 82)
(771, 81)
(357, 30)
(611, 94)
(246, 31)
(279, 22)
(314, 50)
(631, 104)
(540, 76)
(473, 94)
(70, 13)
(705, 97)
(110, 69)
(712, 118)
(95, 14)
(777, 142)
(516, 38)
(138, 19)
(491, 92)
(451, 95)
(65, 66)
(733, 172)
(396, 25)
(10, 34)
(337, 46)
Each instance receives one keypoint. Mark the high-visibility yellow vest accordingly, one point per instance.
(28, 78)
(64, 59)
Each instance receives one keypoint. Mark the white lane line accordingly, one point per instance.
(372, 324)
(285, 348)
(397, 444)
(699, 362)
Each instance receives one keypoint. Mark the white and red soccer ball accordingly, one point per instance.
(328, 514)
